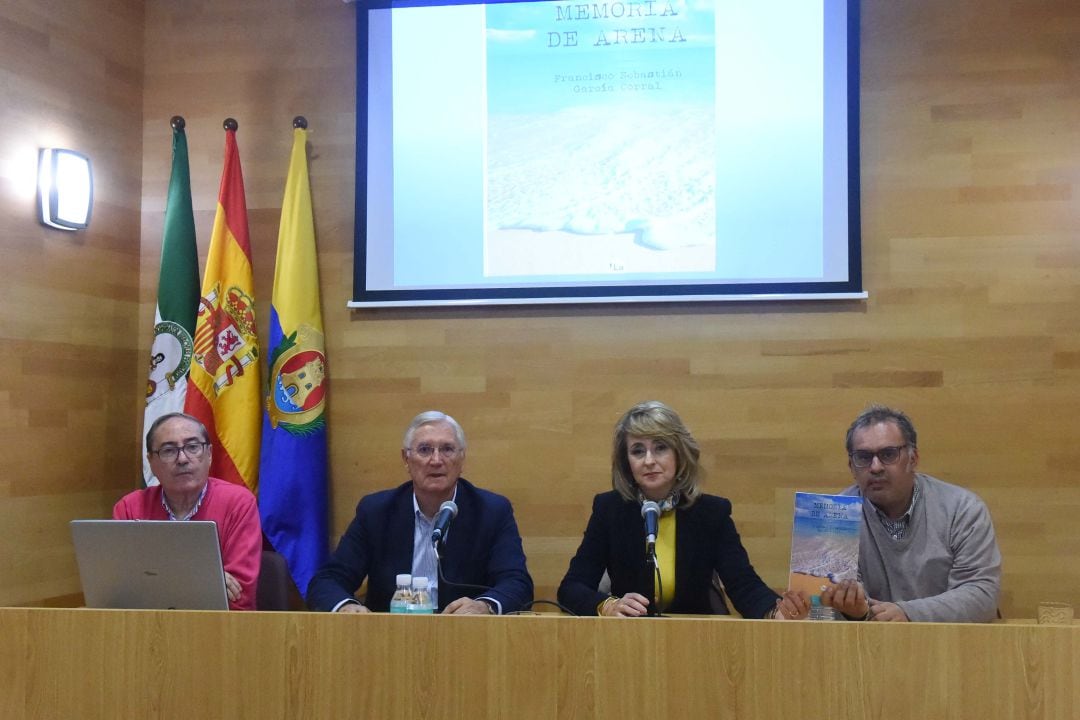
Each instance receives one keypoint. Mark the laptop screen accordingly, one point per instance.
(153, 564)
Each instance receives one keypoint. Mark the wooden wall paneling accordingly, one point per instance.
(72, 77)
(970, 220)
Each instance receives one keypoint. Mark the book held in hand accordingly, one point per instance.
(824, 541)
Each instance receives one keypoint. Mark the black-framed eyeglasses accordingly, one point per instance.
(194, 450)
(887, 456)
(425, 451)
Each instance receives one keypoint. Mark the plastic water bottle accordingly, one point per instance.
(421, 598)
(400, 602)
(821, 612)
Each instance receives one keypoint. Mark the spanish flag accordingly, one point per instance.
(223, 390)
(293, 494)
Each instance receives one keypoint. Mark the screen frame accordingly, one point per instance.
(363, 297)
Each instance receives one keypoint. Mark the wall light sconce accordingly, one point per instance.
(65, 188)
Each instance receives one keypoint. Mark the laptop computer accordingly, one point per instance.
(135, 564)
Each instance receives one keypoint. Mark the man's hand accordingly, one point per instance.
(468, 606)
(353, 608)
(232, 588)
(881, 611)
(848, 597)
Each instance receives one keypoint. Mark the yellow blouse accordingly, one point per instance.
(665, 556)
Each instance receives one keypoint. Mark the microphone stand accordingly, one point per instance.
(443, 582)
(658, 587)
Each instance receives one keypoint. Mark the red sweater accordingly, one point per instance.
(233, 508)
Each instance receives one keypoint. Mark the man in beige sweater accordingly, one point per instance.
(927, 550)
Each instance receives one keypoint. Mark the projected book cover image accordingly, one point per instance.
(824, 541)
(600, 146)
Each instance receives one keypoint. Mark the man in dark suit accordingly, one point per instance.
(391, 535)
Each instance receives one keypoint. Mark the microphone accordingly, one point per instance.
(650, 511)
(447, 512)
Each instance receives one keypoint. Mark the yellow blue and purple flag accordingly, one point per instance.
(293, 472)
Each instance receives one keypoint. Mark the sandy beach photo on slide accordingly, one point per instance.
(600, 143)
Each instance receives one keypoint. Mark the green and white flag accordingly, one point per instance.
(178, 297)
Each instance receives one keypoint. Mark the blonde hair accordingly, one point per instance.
(655, 420)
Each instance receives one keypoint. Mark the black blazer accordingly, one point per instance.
(483, 548)
(706, 541)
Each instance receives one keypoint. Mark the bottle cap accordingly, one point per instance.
(420, 582)
(404, 579)
(815, 600)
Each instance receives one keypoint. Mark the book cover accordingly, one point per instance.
(601, 142)
(824, 541)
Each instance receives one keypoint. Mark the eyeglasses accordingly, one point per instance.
(447, 452)
(887, 456)
(194, 450)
